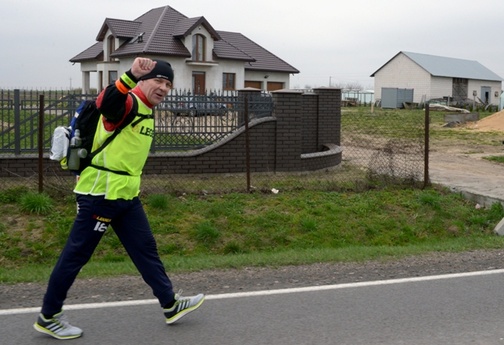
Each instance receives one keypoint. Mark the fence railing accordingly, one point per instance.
(183, 121)
(19, 118)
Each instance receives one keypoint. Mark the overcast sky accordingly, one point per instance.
(342, 42)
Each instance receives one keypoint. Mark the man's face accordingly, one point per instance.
(155, 89)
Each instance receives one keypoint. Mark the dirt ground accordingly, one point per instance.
(449, 165)
(462, 166)
(494, 122)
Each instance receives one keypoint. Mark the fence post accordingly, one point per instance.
(41, 146)
(17, 122)
(426, 145)
(247, 140)
(244, 115)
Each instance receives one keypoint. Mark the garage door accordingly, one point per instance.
(254, 84)
(273, 86)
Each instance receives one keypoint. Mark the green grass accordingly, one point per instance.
(236, 230)
(496, 159)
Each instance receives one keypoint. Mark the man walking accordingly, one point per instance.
(107, 194)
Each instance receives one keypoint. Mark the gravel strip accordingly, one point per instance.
(262, 278)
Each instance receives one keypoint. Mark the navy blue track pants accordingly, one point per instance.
(129, 222)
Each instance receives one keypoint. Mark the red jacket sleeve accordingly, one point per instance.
(114, 104)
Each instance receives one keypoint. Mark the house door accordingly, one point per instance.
(198, 83)
(485, 94)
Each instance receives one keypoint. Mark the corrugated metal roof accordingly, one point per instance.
(450, 67)
(160, 30)
(440, 66)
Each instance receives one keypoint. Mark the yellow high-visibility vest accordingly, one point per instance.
(126, 155)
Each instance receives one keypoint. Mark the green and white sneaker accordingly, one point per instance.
(182, 307)
(57, 327)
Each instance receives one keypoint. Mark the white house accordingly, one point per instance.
(431, 77)
(202, 57)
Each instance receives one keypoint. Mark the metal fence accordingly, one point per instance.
(183, 121)
(380, 147)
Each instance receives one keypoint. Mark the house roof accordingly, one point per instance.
(160, 30)
(186, 26)
(440, 66)
(263, 59)
(95, 52)
(120, 28)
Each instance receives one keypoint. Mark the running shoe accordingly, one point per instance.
(182, 307)
(57, 327)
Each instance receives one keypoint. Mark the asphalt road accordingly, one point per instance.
(465, 308)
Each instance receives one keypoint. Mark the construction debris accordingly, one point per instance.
(441, 107)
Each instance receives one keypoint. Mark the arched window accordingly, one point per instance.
(199, 48)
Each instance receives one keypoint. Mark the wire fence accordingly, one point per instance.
(378, 147)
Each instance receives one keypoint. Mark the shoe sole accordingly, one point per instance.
(185, 312)
(41, 329)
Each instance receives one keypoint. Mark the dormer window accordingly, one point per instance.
(111, 47)
(199, 48)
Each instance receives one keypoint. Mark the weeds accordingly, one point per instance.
(36, 203)
(158, 201)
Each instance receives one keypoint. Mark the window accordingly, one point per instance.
(228, 81)
(112, 76)
(199, 48)
(111, 47)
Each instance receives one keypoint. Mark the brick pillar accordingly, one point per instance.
(310, 123)
(329, 116)
(288, 112)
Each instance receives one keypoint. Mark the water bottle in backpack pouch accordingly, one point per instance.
(76, 153)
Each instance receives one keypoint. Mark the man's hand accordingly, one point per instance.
(142, 66)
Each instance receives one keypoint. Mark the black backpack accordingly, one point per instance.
(81, 135)
(82, 130)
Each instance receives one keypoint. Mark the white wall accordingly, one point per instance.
(441, 87)
(476, 85)
(402, 73)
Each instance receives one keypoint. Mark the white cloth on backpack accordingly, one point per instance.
(59, 143)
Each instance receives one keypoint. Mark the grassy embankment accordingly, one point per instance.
(197, 232)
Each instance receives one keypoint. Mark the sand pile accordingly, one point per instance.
(494, 122)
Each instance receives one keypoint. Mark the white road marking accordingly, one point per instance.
(16, 311)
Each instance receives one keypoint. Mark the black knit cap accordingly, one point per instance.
(161, 70)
